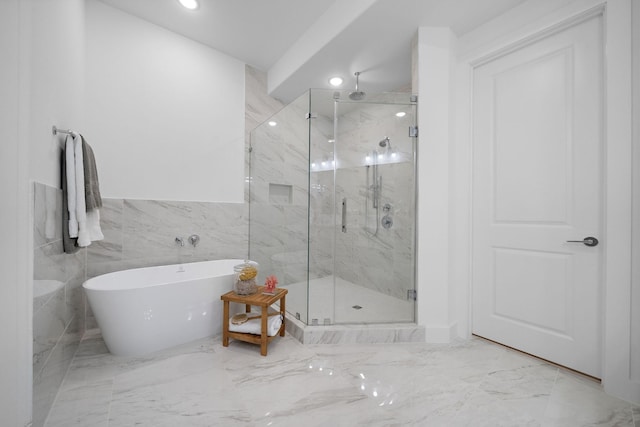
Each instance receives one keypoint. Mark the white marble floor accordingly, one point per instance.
(471, 383)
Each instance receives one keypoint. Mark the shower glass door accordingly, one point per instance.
(278, 178)
(362, 208)
(332, 206)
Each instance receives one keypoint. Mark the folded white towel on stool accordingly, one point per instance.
(254, 326)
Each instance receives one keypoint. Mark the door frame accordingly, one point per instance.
(487, 43)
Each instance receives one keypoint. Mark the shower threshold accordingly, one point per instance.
(353, 314)
(354, 333)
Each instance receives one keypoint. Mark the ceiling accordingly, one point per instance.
(301, 43)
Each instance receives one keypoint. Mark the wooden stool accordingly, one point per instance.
(257, 299)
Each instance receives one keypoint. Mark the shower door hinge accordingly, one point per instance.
(412, 294)
(311, 116)
(413, 131)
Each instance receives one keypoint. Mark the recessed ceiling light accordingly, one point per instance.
(335, 81)
(401, 114)
(189, 4)
(272, 123)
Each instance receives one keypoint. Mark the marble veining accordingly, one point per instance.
(138, 233)
(298, 152)
(58, 306)
(141, 233)
(465, 383)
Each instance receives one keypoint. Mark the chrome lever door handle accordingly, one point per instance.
(587, 241)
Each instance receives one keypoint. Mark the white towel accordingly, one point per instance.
(81, 206)
(70, 165)
(254, 326)
(93, 225)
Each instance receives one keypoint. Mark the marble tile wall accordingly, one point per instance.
(283, 234)
(138, 233)
(258, 107)
(278, 160)
(142, 233)
(368, 254)
(58, 306)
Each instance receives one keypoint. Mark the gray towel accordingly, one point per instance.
(68, 243)
(93, 199)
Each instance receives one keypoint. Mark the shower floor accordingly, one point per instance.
(340, 307)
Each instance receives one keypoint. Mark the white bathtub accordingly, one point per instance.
(148, 309)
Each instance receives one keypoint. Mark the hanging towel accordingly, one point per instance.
(93, 225)
(68, 243)
(93, 200)
(91, 185)
(81, 206)
(81, 195)
(70, 167)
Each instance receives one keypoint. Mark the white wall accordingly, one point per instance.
(15, 292)
(452, 168)
(435, 53)
(635, 291)
(57, 82)
(165, 115)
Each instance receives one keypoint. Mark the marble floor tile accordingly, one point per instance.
(84, 405)
(202, 383)
(577, 400)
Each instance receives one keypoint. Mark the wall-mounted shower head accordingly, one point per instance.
(386, 142)
(357, 95)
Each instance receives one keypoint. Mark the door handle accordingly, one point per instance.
(587, 241)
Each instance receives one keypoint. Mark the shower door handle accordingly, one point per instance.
(344, 215)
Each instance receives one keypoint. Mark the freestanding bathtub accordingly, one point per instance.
(148, 309)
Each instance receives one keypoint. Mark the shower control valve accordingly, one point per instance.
(194, 239)
(179, 241)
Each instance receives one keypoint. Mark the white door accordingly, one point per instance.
(537, 183)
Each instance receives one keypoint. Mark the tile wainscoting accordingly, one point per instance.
(138, 233)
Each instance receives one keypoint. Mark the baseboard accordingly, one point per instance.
(441, 334)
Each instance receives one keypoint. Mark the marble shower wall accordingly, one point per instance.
(295, 214)
(258, 107)
(281, 233)
(368, 254)
(58, 303)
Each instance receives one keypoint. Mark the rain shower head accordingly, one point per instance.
(357, 95)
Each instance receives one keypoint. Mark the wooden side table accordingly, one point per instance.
(257, 299)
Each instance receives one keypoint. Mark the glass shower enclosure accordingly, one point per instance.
(332, 206)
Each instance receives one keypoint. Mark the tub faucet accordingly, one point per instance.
(180, 241)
